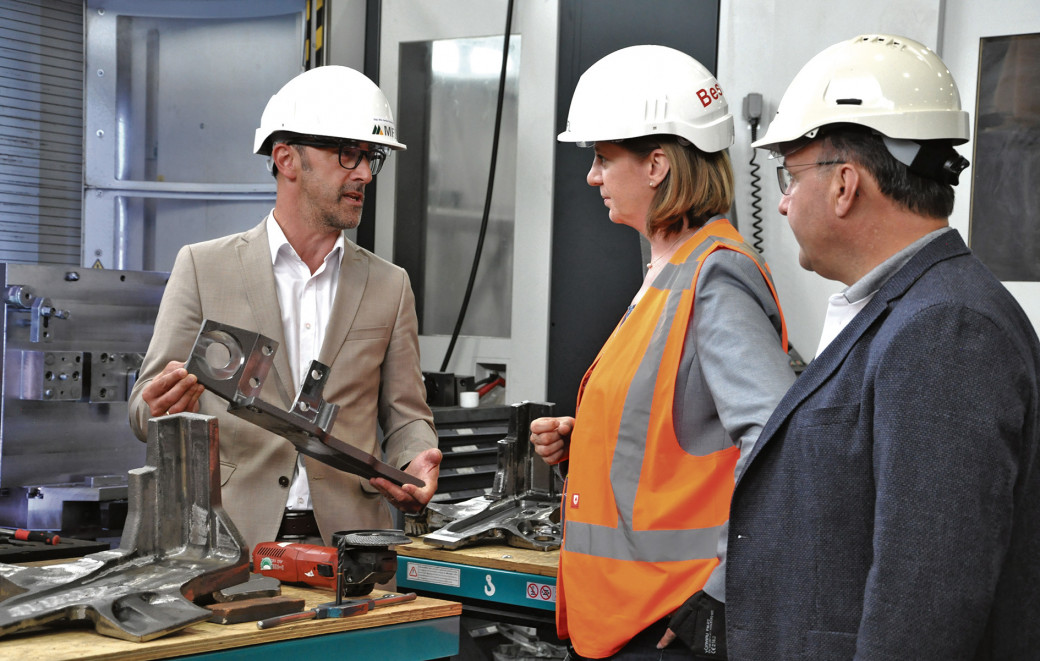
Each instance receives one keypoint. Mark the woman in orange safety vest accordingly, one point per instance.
(681, 389)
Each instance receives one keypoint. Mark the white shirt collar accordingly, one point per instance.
(277, 242)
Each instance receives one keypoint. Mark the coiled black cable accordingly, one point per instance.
(756, 193)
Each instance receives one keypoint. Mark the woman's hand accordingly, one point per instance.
(552, 438)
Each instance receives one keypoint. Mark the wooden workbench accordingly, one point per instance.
(54, 644)
(491, 556)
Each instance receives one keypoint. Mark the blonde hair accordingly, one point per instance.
(698, 185)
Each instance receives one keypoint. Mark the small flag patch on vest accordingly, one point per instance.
(574, 500)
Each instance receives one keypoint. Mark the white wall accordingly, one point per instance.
(763, 44)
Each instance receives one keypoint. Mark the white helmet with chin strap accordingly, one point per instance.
(649, 90)
(892, 85)
(330, 101)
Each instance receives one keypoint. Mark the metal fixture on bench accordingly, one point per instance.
(523, 508)
(178, 545)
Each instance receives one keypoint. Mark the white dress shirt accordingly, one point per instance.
(305, 300)
(844, 306)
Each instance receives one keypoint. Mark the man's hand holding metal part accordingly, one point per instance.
(176, 390)
(173, 391)
(410, 498)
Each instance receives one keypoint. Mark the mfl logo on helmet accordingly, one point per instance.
(383, 129)
(708, 95)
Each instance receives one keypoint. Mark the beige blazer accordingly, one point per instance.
(371, 346)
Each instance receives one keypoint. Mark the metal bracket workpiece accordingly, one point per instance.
(40, 308)
(523, 508)
(178, 545)
(233, 363)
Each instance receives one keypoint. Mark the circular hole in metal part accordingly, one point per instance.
(267, 350)
(317, 375)
(254, 382)
(220, 354)
(303, 406)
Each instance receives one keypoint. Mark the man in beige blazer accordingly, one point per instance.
(296, 276)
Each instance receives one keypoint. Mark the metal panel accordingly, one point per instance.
(66, 378)
(174, 91)
(41, 126)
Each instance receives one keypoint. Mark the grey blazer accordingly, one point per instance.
(371, 346)
(891, 507)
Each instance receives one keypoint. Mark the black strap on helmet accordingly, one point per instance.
(938, 160)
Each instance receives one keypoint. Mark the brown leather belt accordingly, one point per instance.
(297, 524)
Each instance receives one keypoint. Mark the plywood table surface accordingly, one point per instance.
(79, 643)
(491, 556)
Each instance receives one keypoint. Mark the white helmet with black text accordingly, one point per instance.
(649, 90)
(329, 101)
(892, 85)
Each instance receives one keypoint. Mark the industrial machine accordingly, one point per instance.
(73, 339)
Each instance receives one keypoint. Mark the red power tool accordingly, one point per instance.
(289, 562)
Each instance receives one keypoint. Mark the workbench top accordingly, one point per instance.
(57, 644)
(491, 556)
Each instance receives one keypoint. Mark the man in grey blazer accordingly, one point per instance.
(297, 279)
(891, 508)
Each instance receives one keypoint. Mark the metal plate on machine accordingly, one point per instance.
(51, 375)
(73, 340)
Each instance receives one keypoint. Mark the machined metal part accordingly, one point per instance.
(523, 508)
(46, 505)
(178, 545)
(233, 364)
(258, 586)
(41, 309)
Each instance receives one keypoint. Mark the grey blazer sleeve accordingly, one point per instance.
(744, 370)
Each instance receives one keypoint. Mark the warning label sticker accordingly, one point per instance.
(422, 573)
(541, 592)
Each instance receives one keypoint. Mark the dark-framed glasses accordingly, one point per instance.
(785, 178)
(350, 153)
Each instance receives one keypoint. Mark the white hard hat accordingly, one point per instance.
(649, 90)
(893, 85)
(329, 101)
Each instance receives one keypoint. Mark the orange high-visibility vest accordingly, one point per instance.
(642, 516)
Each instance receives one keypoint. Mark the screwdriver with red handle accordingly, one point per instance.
(344, 609)
(29, 535)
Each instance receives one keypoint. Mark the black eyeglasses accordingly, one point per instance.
(784, 176)
(350, 154)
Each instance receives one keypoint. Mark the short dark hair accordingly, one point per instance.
(914, 192)
(698, 185)
(286, 137)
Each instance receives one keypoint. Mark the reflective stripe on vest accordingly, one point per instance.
(652, 548)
